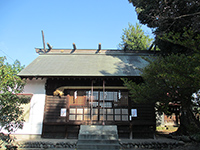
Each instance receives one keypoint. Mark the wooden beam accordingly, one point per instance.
(43, 42)
(99, 46)
(50, 47)
(151, 46)
(74, 46)
(94, 87)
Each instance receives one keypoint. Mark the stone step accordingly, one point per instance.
(96, 137)
(98, 142)
(97, 129)
(99, 146)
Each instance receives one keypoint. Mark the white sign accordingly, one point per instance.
(63, 112)
(119, 95)
(75, 95)
(134, 112)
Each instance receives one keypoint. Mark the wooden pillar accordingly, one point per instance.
(103, 102)
(91, 101)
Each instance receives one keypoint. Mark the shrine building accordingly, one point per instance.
(73, 87)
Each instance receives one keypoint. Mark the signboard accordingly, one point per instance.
(75, 94)
(63, 112)
(134, 112)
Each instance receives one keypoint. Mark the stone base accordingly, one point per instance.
(98, 137)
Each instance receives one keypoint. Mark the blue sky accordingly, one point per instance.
(83, 22)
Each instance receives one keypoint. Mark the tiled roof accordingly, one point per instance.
(70, 63)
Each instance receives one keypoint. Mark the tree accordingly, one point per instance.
(10, 85)
(170, 79)
(188, 39)
(175, 77)
(133, 38)
(170, 17)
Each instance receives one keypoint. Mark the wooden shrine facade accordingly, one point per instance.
(95, 101)
(83, 87)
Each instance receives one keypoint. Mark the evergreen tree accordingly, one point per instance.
(170, 79)
(169, 18)
(133, 38)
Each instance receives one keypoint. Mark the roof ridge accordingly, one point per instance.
(89, 51)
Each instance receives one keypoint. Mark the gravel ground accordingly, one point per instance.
(187, 146)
